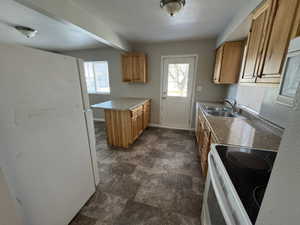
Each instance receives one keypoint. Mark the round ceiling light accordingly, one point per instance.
(172, 6)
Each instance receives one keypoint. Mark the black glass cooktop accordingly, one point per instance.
(249, 170)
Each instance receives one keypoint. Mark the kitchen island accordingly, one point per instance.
(126, 119)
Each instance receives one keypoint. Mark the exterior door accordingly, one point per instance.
(176, 95)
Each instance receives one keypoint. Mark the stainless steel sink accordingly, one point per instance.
(217, 108)
(221, 113)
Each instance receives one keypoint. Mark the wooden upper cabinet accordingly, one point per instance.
(218, 63)
(274, 24)
(127, 68)
(228, 62)
(275, 47)
(296, 26)
(254, 45)
(134, 67)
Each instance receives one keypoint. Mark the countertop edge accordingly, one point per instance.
(142, 101)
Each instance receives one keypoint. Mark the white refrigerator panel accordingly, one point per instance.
(92, 141)
(89, 119)
(85, 96)
(45, 149)
(8, 210)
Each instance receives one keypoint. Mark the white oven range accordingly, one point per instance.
(228, 187)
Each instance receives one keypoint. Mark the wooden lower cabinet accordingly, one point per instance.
(197, 132)
(204, 139)
(134, 128)
(204, 151)
(137, 122)
(146, 115)
(118, 127)
(125, 126)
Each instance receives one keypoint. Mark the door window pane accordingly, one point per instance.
(178, 75)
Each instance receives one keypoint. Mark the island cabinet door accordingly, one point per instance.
(134, 125)
(146, 114)
(140, 121)
(137, 122)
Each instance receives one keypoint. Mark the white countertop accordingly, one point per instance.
(120, 104)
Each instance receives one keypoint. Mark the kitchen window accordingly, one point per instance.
(97, 77)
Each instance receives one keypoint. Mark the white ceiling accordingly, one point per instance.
(52, 34)
(144, 20)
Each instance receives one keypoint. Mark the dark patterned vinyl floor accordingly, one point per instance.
(157, 181)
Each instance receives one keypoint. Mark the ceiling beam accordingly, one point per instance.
(68, 12)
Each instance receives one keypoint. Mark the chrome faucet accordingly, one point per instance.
(232, 103)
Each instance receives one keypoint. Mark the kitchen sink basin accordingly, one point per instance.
(221, 113)
(217, 108)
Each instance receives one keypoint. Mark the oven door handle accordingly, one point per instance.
(222, 201)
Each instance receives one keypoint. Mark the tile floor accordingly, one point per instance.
(157, 181)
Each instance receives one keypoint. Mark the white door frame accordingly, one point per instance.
(194, 80)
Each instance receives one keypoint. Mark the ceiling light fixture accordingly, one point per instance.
(172, 6)
(27, 31)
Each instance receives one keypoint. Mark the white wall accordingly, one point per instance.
(261, 99)
(281, 202)
(203, 48)
(8, 210)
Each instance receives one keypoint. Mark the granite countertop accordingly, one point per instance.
(247, 131)
(121, 104)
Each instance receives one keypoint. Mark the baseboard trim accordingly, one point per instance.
(99, 119)
(167, 127)
(152, 125)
